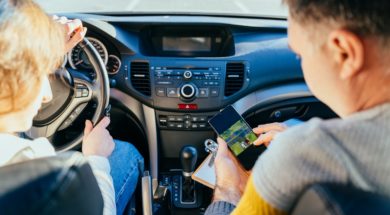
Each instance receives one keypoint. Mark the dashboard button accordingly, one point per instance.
(202, 125)
(160, 91)
(179, 118)
(164, 82)
(203, 92)
(172, 92)
(171, 125)
(214, 92)
(163, 121)
(202, 118)
(195, 119)
(187, 106)
(171, 118)
(179, 125)
(194, 126)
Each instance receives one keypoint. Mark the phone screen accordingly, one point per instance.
(232, 128)
(238, 135)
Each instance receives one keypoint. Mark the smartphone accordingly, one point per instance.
(231, 127)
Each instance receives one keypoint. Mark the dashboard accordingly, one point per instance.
(189, 66)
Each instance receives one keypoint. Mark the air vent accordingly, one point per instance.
(140, 77)
(234, 78)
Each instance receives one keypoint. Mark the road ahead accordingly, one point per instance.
(249, 7)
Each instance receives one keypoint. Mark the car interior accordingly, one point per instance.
(160, 78)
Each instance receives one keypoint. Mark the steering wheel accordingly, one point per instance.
(72, 90)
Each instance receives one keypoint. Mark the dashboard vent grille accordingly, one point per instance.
(140, 77)
(234, 78)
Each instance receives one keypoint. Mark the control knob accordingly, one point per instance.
(187, 91)
(187, 74)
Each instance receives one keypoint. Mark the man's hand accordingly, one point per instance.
(74, 30)
(97, 141)
(267, 132)
(231, 177)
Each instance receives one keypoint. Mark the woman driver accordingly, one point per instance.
(32, 45)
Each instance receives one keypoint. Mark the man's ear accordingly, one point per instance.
(347, 50)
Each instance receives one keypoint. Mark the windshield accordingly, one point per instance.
(261, 8)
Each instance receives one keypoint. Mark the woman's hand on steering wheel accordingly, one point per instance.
(74, 30)
(97, 140)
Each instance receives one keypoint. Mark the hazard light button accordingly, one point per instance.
(188, 106)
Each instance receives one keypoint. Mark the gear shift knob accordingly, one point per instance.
(188, 158)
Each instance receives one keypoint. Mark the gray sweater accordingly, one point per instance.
(313, 152)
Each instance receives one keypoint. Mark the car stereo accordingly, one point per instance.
(187, 83)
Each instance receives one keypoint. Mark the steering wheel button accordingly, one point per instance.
(78, 93)
(85, 93)
(72, 116)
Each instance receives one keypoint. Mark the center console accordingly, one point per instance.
(183, 74)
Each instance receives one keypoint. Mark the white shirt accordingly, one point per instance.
(14, 149)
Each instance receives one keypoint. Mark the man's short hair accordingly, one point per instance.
(363, 17)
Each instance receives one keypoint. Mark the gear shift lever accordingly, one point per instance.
(188, 158)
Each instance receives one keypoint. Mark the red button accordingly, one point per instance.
(188, 106)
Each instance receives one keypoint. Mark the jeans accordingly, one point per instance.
(126, 167)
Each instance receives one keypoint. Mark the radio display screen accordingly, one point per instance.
(186, 44)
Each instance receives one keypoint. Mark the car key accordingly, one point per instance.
(211, 147)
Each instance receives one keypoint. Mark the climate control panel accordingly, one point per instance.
(175, 121)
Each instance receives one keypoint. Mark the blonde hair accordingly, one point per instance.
(32, 46)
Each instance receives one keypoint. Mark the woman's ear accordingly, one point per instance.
(347, 51)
